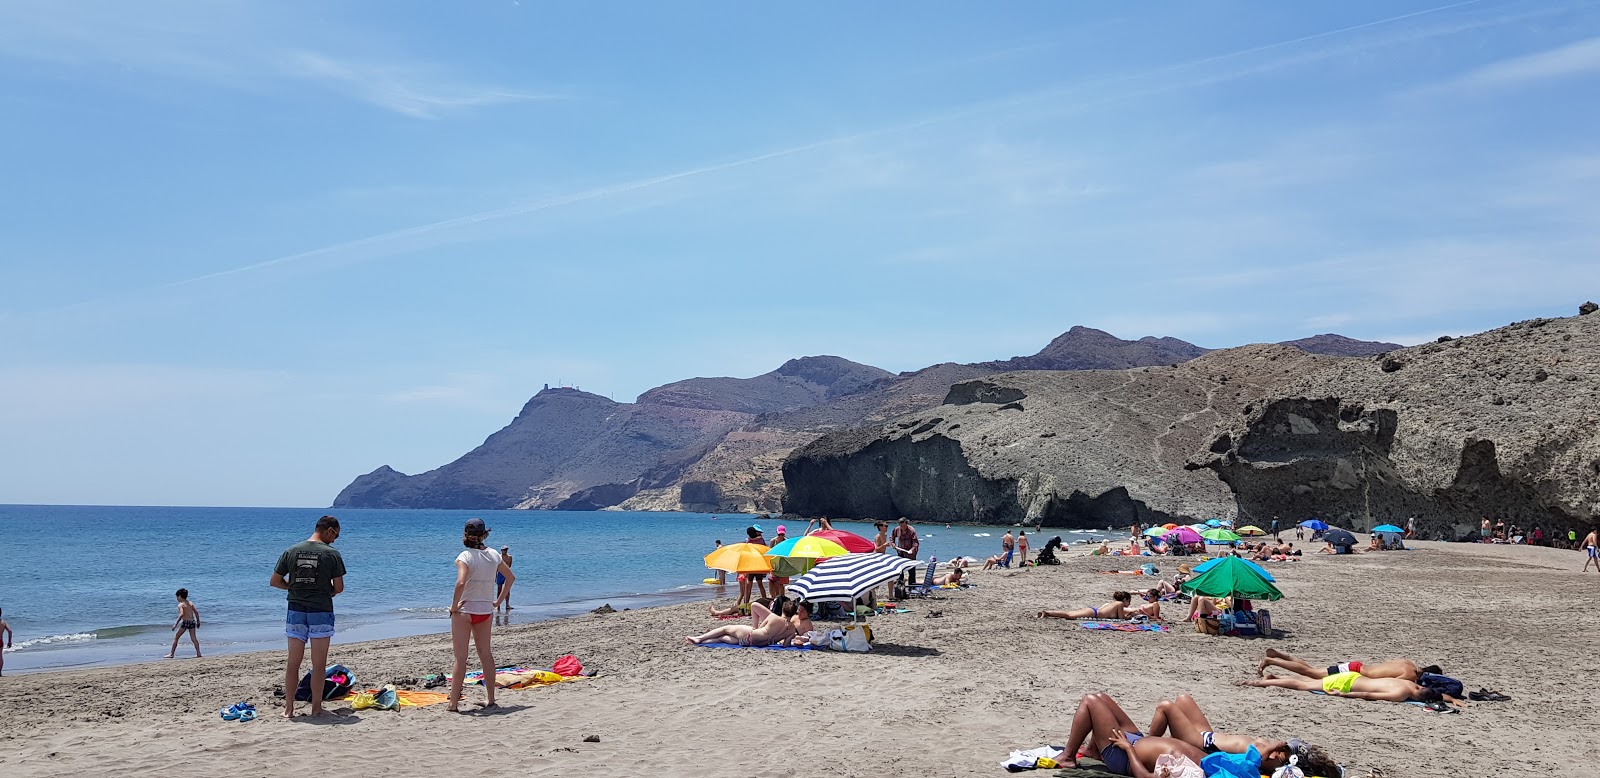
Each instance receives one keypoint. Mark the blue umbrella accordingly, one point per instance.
(1213, 523)
(1204, 566)
(1387, 528)
(1316, 524)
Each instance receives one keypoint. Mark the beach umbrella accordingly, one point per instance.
(1339, 537)
(1232, 577)
(1169, 525)
(1262, 571)
(1183, 535)
(844, 578)
(740, 558)
(1250, 529)
(1198, 527)
(852, 542)
(796, 556)
(1315, 524)
(1156, 532)
(1213, 522)
(1387, 528)
(1219, 536)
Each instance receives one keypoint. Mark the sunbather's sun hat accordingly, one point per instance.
(782, 530)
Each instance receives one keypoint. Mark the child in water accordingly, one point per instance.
(188, 621)
(5, 632)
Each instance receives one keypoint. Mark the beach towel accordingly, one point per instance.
(518, 677)
(1124, 626)
(763, 648)
(1033, 759)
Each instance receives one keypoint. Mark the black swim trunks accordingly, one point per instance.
(186, 624)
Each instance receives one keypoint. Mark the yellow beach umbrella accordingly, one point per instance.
(1250, 529)
(740, 558)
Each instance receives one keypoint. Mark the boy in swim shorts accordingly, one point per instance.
(188, 621)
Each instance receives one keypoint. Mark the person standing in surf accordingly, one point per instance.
(312, 572)
(500, 578)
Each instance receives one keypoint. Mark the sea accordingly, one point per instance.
(94, 585)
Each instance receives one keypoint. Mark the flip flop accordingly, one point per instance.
(230, 713)
(248, 714)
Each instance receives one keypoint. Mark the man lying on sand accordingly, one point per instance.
(1394, 668)
(1352, 684)
(1183, 718)
(1117, 740)
(1118, 608)
(770, 629)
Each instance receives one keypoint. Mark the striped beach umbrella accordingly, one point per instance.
(844, 578)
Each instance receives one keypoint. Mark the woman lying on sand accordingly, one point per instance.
(770, 629)
(1183, 718)
(953, 577)
(1352, 684)
(1118, 608)
(1394, 668)
(1114, 736)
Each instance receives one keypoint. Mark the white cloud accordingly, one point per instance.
(404, 90)
(239, 45)
(1571, 60)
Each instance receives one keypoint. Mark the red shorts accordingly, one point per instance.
(479, 618)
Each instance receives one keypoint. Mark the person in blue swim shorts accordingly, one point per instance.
(1102, 723)
(312, 572)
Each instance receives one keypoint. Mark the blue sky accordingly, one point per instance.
(250, 249)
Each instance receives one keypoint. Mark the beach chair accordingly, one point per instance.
(926, 587)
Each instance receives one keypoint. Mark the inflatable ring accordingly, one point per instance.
(709, 581)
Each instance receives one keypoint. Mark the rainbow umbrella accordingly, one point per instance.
(1250, 529)
(796, 556)
(852, 542)
(740, 558)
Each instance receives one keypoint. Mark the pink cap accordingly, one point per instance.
(781, 530)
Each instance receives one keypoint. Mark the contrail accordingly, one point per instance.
(645, 183)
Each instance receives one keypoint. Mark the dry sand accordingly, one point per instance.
(942, 696)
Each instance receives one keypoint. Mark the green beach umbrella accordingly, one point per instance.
(1232, 577)
(1219, 536)
(1156, 532)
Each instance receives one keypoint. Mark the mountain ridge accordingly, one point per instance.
(675, 446)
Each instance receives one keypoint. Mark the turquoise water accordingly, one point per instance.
(94, 585)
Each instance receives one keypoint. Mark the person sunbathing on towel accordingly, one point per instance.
(952, 577)
(1352, 684)
(769, 629)
(1394, 668)
(1116, 609)
(1182, 717)
(1117, 740)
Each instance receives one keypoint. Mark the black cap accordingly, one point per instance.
(476, 527)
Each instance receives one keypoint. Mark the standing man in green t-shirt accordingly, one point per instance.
(312, 572)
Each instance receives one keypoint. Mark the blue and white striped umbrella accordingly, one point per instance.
(844, 578)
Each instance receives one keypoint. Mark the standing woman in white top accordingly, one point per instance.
(473, 605)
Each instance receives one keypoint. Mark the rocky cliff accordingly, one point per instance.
(1073, 449)
(798, 383)
(1504, 424)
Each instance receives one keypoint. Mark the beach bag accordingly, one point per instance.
(338, 685)
(568, 666)
(853, 637)
(1442, 684)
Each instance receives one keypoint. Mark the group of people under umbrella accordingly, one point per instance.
(826, 566)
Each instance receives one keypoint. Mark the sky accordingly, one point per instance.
(250, 249)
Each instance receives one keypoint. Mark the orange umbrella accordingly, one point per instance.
(740, 558)
(1169, 526)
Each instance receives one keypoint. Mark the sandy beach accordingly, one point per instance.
(950, 690)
